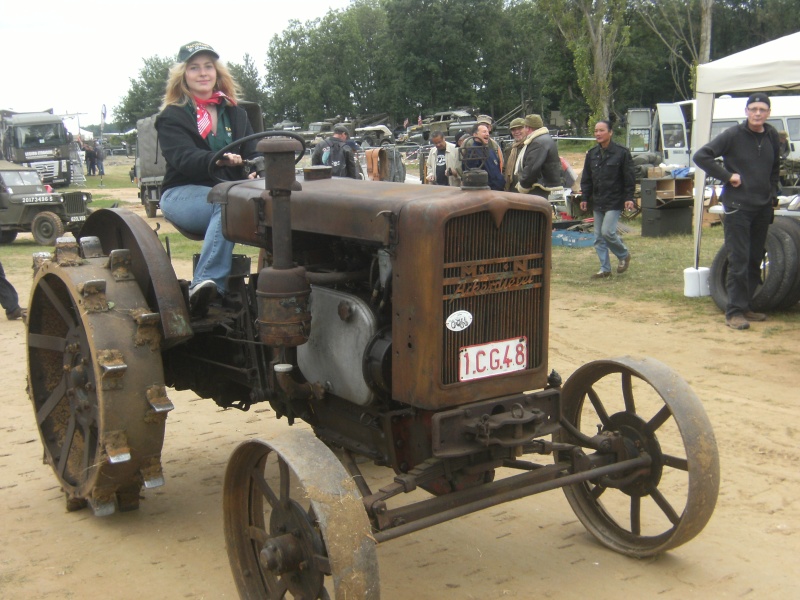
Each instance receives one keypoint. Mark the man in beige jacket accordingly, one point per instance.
(444, 165)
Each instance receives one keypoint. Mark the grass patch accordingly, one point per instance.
(655, 274)
(117, 175)
(581, 146)
(102, 201)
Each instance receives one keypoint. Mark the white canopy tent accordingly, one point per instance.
(769, 67)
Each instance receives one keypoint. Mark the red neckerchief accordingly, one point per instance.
(203, 116)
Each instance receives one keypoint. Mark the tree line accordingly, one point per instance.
(589, 59)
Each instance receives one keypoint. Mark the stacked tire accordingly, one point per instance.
(780, 271)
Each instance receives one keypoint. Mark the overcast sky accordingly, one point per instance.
(77, 56)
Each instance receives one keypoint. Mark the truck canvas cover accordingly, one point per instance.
(151, 161)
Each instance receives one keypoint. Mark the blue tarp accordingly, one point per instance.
(573, 239)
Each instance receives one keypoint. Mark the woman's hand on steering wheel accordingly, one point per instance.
(224, 158)
(229, 160)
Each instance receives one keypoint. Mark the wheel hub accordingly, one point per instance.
(79, 383)
(638, 439)
(289, 551)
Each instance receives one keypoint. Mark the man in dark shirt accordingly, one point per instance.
(749, 171)
(444, 165)
(608, 182)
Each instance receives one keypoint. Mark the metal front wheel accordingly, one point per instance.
(96, 381)
(650, 510)
(295, 525)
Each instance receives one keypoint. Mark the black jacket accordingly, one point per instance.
(347, 152)
(608, 179)
(188, 154)
(541, 163)
(757, 161)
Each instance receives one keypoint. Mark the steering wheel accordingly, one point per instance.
(213, 166)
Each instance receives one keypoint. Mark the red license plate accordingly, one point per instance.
(494, 358)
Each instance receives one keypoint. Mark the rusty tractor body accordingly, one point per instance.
(405, 324)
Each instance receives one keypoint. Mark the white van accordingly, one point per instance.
(662, 130)
(668, 128)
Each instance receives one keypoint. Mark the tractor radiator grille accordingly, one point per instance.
(497, 274)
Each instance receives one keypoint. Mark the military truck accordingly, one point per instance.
(440, 121)
(374, 135)
(27, 205)
(39, 140)
(321, 130)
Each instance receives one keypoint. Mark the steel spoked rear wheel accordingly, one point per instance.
(650, 510)
(295, 526)
(96, 382)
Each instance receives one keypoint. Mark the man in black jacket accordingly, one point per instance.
(538, 168)
(749, 171)
(608, 182)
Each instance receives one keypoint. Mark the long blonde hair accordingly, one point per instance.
(178, 94)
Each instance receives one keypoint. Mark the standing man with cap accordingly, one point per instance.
(199, 116)
(517, 128)
(538, 164)
(749, 171)
(336, 153)
(608, 181)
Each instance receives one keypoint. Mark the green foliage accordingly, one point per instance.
(145, 94)
(596, 32)
(586, 58)
(249, 80)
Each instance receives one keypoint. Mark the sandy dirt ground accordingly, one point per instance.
(173, 546)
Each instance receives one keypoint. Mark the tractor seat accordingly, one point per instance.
(197, 237)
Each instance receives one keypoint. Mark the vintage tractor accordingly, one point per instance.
(407, 326)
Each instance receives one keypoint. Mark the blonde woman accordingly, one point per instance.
(200, 116)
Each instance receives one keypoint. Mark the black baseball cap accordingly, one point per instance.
(758, 97)
(187, 51)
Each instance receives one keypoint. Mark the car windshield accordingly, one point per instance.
(12, 178)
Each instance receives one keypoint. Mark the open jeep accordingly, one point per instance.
(27, 205)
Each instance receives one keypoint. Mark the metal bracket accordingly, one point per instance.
(94, 295)
(112, 369)
(119, 263)
(91, 247)
(152, 473)
(148, 330)
(116, 446)
(67, 252)
(157, 397)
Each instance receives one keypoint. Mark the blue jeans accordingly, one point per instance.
(606, 238)
(745, 239)
(187, 206)
(8, 295)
